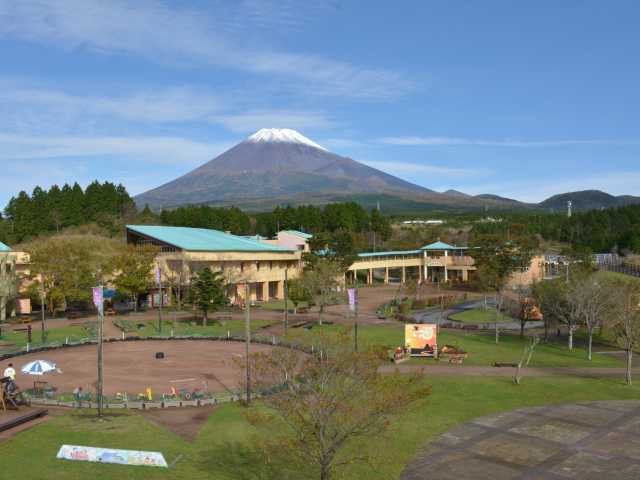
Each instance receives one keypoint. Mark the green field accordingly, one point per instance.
(59, 335)
(480, 315)
(191, 327)
(481, 346)
(226, 448)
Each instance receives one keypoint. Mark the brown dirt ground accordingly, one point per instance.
(132, 367)
(185, 422)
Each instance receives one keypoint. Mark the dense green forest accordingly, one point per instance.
(53, 210)
(111, 207)
(598, 230)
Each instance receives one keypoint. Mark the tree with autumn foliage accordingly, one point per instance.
(326, 400)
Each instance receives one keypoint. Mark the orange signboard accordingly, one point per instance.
(418, 336)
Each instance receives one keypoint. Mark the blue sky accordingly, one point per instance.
(521, 99)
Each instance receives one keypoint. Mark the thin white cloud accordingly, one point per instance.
(407, 168)
(254, 120)
(182, 36)
(147, 150)
(177, 104)
(453, 141)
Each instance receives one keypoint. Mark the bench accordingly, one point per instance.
(505, 364)
(457, 359)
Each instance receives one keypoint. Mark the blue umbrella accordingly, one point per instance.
(38, 367)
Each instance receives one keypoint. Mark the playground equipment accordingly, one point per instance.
(421, 339)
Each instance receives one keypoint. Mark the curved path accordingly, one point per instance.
(586, 441)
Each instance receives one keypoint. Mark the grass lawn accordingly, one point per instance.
(227, 446)
(193, 327)
(278, 305)
(480, 315)
(617, 276)
(73, 332)
(481, 346)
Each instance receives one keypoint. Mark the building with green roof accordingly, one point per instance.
(262, 264)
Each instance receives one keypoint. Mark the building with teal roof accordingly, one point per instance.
(254, 261)
(4, 248)
(435, 262)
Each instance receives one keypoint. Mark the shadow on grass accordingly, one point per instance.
(241, 461)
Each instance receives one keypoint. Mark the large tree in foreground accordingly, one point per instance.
(208, 292)
(327, 400)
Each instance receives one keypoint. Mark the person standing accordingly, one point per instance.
(10, 372)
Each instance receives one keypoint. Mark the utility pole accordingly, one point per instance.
(286, 301)
(98, 300)
(355, 319)
(247, 333)
(43, 336)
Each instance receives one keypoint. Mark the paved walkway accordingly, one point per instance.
(461, 370)
(586, 441)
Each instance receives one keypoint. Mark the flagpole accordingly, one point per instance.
(159, 278)
(98, 300)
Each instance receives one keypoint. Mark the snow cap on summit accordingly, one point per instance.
(281, 135)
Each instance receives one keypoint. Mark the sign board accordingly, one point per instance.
(110, 455)
(158, 276)
(353, 298)
(98, 299)
(419, 335)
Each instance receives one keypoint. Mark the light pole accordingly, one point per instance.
(286, 301)
(247, 333)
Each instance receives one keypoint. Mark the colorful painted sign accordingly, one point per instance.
(159, 276)
(420, 335)
(110, 455)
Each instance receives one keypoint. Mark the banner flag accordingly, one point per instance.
(98, 298)
(353, 298)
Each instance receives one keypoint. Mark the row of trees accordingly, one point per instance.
(230, 219)
(348, 216)
(598, 230)
(584, 298)
(52, 210)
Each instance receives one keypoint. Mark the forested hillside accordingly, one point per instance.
(53, 210)
(598, 230)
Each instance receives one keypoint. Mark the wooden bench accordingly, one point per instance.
(457, 359)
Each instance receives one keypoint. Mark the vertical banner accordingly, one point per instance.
(98, 298)
(353, 298)
(158, 276)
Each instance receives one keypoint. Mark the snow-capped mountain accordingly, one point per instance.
(281, 135)
(278, 164)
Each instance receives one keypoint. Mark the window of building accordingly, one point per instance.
(258, 266)
(242, 266)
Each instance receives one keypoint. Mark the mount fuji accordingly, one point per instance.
(275, 166)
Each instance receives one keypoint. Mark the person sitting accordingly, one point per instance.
(77, 395)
